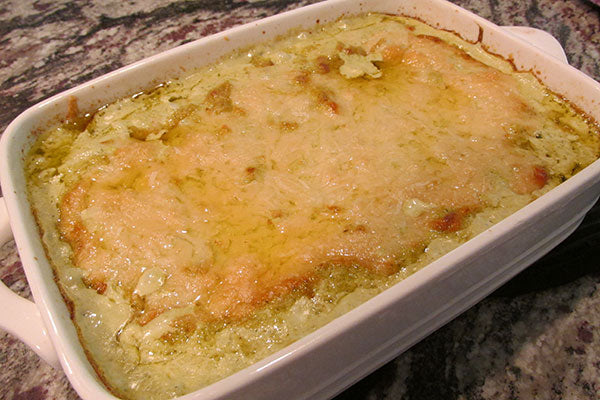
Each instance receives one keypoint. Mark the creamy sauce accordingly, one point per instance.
(204, 225)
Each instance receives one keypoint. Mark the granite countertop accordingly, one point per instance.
(536, 337)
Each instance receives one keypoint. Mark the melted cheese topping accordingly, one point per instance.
(227, 213)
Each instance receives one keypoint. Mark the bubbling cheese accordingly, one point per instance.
(203, 225)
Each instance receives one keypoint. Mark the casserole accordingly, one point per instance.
(299, 351)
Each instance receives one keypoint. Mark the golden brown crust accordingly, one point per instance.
(231, 284)
(290, 182)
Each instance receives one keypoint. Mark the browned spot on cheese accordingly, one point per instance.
(355, 228)
(260, 61)
(334, 209)
(139, 134)
(302, 78)
(392, 52)
(137, 303)
(454, 220)
(288, 126)
(185, 324)
(528, 178)
(324, 99)
(149, 313)
(277, 213)
(224, 130)
(325, 64)
(322, 65)
(450, 222)
(219, 98)
(540, 176)
(466, 56)
(70, 226)
(240, 291)
(98, 285)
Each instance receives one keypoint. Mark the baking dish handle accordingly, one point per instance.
(540, 39)
(19, 316)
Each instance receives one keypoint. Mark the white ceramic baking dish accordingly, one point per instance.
(330, 359)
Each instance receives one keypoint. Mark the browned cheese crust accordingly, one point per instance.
(285, 175)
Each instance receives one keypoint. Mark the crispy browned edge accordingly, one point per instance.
(153, 86)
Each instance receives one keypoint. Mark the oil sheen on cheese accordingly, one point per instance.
(203, 225)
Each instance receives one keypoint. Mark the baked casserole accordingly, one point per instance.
(200, 226)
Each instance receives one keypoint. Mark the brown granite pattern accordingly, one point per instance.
(538, 336)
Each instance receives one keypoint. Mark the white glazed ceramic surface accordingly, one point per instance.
(330, 359)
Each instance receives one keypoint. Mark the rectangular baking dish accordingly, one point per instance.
(333, 357)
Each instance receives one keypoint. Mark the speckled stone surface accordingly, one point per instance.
(536, 337)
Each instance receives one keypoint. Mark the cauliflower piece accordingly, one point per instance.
(356, 65)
